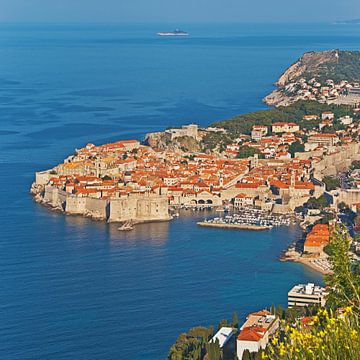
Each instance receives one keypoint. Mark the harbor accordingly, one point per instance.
(249, 219)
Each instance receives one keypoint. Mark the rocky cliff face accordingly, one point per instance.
(160, 140)
(308, 65)
(319, 65)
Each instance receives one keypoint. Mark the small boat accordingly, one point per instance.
(127, 226)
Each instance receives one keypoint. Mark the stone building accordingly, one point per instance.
(186, 130)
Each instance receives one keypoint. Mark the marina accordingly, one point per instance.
(249, 219)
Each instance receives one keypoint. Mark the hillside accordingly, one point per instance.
(293, 113)
(317, 68)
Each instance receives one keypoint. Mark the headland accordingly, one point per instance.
(327, 76)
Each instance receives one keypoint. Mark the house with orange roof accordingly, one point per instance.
(327, 115)
(242, 200)
(256, 332)
(258, 132)
(310, 117)
(322, 139)
(280, 127)
(317, 239)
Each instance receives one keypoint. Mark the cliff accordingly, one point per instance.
(321, 66)
(161, 140)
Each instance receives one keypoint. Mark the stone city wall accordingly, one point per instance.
(42, 177)
(133, 207)
(348, 196)
(139, 208)
(337, 162)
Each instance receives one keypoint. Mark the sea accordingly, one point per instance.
(72, 288)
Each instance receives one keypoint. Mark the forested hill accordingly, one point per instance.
(292, 113)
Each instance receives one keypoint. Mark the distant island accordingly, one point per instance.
(348, 22)
(329, 77)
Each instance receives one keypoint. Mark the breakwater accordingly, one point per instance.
(233, 226)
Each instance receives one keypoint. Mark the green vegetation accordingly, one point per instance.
(317, 203)
(213, 140)
(330, 332)
(213, 350)
(247, 355)
(235, 320)
(355, 165)
(330, 335)
(106, 177)
(246, 151)
(293, 113)
(295, 147)
(331, 183)
(347, 67)
(334, 332)
(345, 280)
(191, 346)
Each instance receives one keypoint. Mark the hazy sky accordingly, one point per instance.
(177, 10)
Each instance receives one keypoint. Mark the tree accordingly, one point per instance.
(331, 183)
(213, 350)
(294, 113)
(235, 320)
(342, 206)
(280, 312)
(191, 345)
(295, 147)
(247, 151)
(317, 203)
(345, 280)
(223, 323)
(273, 309)
(212, 140)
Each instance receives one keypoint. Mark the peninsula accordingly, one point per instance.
(277, 167)
(273, 160)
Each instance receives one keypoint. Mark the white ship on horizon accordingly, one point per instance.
(176, 32)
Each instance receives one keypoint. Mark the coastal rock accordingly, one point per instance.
(308, 65)
(161, 140)
(36, 189)
(277, 98)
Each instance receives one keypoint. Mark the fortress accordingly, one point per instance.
(134, 207)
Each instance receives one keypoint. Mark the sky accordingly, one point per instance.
(120, 11)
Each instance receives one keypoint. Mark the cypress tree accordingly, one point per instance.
(235, 320)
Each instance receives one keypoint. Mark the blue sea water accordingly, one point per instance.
(76, 289)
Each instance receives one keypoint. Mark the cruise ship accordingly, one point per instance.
(176, 32)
